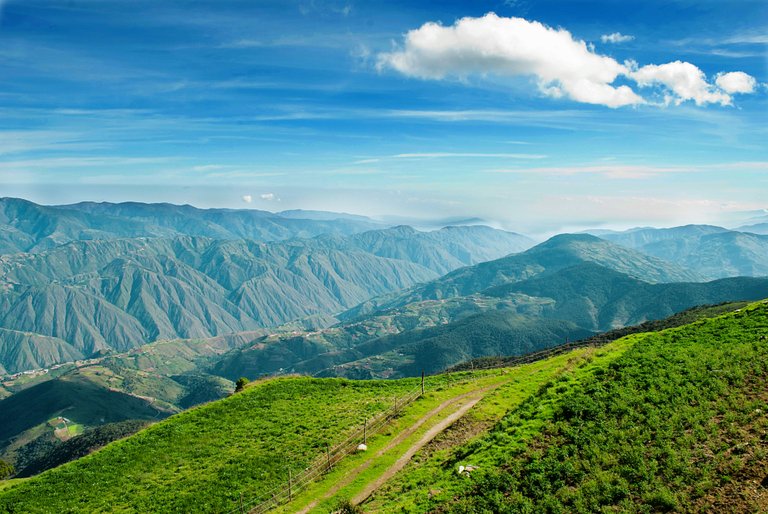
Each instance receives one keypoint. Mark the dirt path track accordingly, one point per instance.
(464, 402)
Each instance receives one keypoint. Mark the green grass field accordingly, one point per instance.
(204, 458)
(675, 423)
(516, 385)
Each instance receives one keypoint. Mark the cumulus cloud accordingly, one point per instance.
(247, 198)
(685, 80)
(269, 197)
(616, 37)
(736, 82)
(563, 67)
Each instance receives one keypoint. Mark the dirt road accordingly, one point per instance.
(462, 403)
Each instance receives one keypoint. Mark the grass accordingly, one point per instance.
(431, 475)
(204, 458)
(10, 482)
(675, 423)
(515, 386)
(672, 420)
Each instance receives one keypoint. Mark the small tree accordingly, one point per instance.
(240, 384)
(6, 470)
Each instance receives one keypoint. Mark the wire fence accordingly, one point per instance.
(324, 463)
(530, 357)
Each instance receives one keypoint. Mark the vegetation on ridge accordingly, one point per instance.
(675, 423)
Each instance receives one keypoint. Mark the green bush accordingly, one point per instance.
(240, 384)
(6, 470)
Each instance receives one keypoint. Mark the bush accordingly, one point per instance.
(240, 384)
(6, 470)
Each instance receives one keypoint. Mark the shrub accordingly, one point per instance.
(240, 384)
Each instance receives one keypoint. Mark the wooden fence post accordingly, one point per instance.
(422, 381)
(290, 489)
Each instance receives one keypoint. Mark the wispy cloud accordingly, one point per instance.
(607, 171)
(451, 155)
(616, 37)
(635, 171)
(81, 162)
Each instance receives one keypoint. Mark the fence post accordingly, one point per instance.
(422, 382)
(328, 454)
(365, 431)
(241, 503)
(290, 490)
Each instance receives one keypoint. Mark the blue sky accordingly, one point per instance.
(546, 115)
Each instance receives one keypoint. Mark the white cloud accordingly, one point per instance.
(685, 80)
(247, 198)
(616, 37)
(563, 67)
(269, 197)
(736, 82)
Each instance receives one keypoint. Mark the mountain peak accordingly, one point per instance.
(563, 240)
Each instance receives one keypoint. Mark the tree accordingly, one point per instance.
(6, 470)
(240, 384)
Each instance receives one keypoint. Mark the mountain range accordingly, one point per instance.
(566, 288)
(82, 297)
(712, 252)
(29, 227)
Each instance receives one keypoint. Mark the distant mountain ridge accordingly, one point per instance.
(556, 253)
(713, 252)
(29, 227)
(87, 296)
(569, 286)
(510, 319)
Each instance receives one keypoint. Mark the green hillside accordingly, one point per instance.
(659, 421)
(676, 423)
(74, 397)
(202, 459)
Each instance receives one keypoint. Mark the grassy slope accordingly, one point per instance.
(516, 386)
(676, 423)
(652, 421)
(202, 459)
